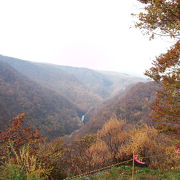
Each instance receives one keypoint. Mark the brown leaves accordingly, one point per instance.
(162, 16)
(166, 71)
(165, 61)
(144, 1)
(165, 15)
(19, 136)
(157, 149)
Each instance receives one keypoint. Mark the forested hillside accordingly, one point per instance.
(53, 97)
(133, 107)
(43, 108)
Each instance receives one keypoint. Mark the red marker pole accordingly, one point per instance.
(133, 167)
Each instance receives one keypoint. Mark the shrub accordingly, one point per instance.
(51, 153)
(11, 171)
(23, 165)
(157, 149)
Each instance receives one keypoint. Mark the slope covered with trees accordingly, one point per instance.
(43, 108)
(133, 107)
(53, 97)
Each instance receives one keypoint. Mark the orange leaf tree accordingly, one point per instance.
(19, 136)
(162, 17)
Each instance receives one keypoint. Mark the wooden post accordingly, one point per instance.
(133, 167)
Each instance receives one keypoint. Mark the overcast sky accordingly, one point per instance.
(83, 33)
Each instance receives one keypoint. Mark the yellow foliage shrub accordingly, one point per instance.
(157, 150)
(116, 143)
(25, 163)
(99, 153)
(109, 139)
(51, 154)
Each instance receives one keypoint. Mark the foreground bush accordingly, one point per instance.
(157, 150)
(77, 158)
(115, 143)
(52, 154)
(23, 165)
(19, 147)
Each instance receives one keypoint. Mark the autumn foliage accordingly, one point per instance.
(19, 135)
(115, 143)
(162, 17)
(19, 148)
(119, 141)
(23, 151)
(156, 150)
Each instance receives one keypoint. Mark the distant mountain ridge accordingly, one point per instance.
(100, 84)
(103, 83)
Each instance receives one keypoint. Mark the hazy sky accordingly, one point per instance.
(83, 33)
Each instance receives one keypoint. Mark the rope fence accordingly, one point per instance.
(97, 170)
(108, 167)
